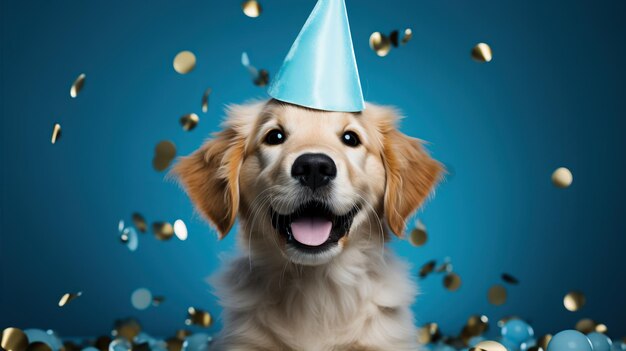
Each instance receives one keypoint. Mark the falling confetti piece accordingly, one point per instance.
(574, 301)
(140, 222)
(427, 268)
(56, 133)
(127, 328)
(130, 238)
(380, 43)
(205, 100)
(476, 325)
(259, 77)
(408, 34)
(163, 230)
(585, 325)
(562, 177)
(418, 236)
(251, 8)
(14, 339)
(452, 281)
(444, 267)
(67, 297)
(482, 52)
(77, 86)
(497, 295)
(507, 278)
(157, 300)
(394, 38)
(180, 229)
(184, 62)
(141, 298)
(198, 317)
(182, 334)
(428, 333)
(189, 121)
(174, 344)
(544, 340)
(489, 345)
(164, 153)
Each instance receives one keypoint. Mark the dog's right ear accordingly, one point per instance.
(210, 175)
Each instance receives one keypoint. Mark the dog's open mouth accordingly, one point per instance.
(313, 227)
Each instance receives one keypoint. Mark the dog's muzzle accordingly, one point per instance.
(313, 227)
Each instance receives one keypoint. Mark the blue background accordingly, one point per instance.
(552, 96)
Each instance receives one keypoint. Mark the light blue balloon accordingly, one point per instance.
(528, 344)
(510, 345)
(47, 338)
(570, 340)
(517, 331)
(475, 340)
(197, 342)
(600, 342)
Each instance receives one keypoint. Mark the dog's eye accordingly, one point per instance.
(275, 137)
(350, 139)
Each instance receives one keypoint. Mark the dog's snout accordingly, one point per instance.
(314, 170)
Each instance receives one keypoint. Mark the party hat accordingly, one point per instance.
(320, 70)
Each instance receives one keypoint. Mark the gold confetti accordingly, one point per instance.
(509, 279)
(489, 345)
(163, 230)
(408, 34)
(476, 325)
(394, 38)
(574, 300)
(251, 8)
(544, 340)
(184, 62)
(189, 121)
(38, 346)
(77, 86)
(67, 297)
(174, 344)
(262, 79)
(427, 268)
(14, 339)
(205, 100)
(585, 325)
(380, 43)
(182, 334)
(140, 222)
(601, 328)
(452, 281)
(127, 328)
(198, 317)
(180, 229)
(164, 153)
(157, 300)
(497, 295)
(418, 236)
(428, 333)
(482, 52)
(562, 177)
(56, 133)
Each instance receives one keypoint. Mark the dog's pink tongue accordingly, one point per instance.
(311, 231)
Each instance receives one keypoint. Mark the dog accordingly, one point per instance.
(317, 195)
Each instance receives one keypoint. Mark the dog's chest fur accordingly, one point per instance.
(360, 301)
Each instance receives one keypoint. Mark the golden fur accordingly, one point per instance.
(356, 296)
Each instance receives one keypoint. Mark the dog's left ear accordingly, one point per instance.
(411, 173)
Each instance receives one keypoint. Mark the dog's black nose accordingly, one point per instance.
(314, 170)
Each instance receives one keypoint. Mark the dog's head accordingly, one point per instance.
(305, 182)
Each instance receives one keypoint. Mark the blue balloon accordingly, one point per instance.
(618, 346)
(510, 345)
(570, 340)
(197, 342)
(528, 344)
(444, 347)
(600, 342)
(517, 331)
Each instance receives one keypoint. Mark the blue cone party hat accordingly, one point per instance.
(320, 70)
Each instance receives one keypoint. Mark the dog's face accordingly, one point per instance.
(308, 182)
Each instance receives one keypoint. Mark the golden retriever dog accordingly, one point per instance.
(317, 195)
